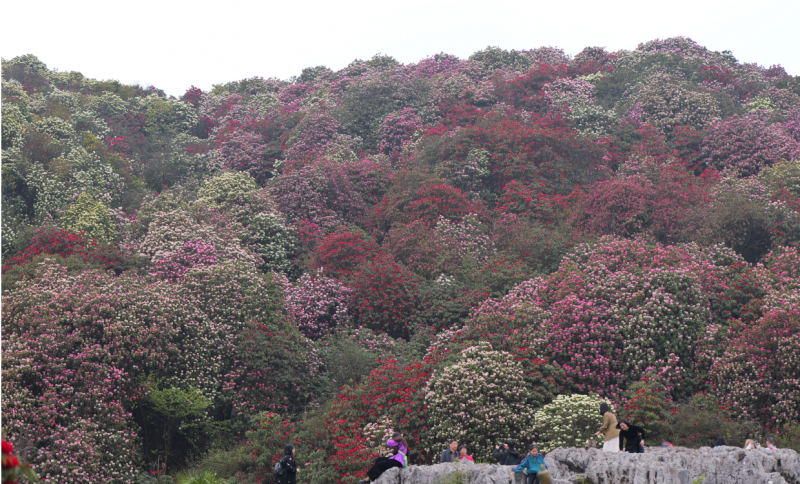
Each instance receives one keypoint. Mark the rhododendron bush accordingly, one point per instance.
(480, 400)
(569, 421)
(389, 246)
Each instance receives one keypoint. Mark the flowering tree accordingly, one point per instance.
(340, 252)
(478, 400)
(612, 305)
(569, 421)
(62, 243)
(386, 295)
(745, 144)
(758, 370)
(319, 304)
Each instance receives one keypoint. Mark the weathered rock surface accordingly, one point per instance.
(674, 465)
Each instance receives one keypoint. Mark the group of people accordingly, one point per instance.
(506, 454)
(750, 444)
(620, 436)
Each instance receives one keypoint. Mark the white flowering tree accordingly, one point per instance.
(479, 400)
(569, 421)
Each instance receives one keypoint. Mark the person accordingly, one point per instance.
(289, 466)
(382, 464)
(609, 428)
(462, 451)
(749, 444)
(448, 455)
(771, 443)
(720, 442)
(634, 435)
(506, 454)
(531, 465)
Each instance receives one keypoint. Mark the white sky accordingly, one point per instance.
(176, 44)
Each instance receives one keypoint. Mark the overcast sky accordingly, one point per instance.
(175, 44)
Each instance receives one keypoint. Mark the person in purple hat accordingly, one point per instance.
(382, 464)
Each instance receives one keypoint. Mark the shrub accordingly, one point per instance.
(392, 391)
(703, 419)
(425, 203)
(248, 152)
(568, 421)
(174, 265)
(478, 400)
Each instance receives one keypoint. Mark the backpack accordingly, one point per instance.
(278, 469)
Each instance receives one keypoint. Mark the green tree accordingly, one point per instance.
(91, 217)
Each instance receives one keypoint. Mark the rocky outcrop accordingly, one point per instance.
(674, 465)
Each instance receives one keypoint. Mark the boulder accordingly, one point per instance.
(672, 465)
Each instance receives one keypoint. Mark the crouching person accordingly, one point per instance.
(382, 464)
(532, 465)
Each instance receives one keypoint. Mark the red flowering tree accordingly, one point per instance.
(537, 152)
(63, 243)
(432, 199)
(386, 295)
(760, 367)
(340, 252)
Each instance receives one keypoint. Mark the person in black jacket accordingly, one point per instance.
(633, 435)
(451, 454)
(506, 455)
(289, 466)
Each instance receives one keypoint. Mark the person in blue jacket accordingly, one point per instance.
(531, 465)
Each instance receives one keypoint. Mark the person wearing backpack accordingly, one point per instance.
(382, 464)
(286, 468)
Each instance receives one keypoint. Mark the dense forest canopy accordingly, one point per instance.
(455, 249)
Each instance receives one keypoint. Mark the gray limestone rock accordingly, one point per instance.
(674, 465)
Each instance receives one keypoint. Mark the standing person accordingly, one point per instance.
(634, 435)
(609, 428)
(531, 465)
(749, 444)
(462, 452)
(720, 442)
(449, 455)
(506, 454)
(771, 443)
(382, 464)
(289, 466)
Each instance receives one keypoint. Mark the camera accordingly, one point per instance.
(501, 445)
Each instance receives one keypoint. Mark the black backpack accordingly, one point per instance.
(278, 469)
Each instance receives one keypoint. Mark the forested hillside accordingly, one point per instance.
(439, 248)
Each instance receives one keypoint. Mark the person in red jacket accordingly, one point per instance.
(462, 452)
